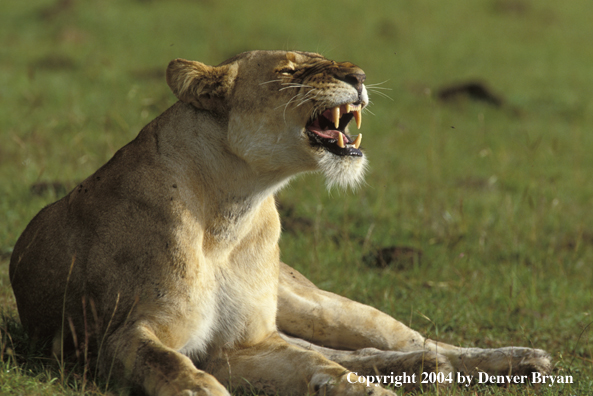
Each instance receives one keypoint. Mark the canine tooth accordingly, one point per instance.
(341, 140)
(358, 118)
(357, 141)
(336, 115)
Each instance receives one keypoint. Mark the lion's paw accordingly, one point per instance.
(348, 385)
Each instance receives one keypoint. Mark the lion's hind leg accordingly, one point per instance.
(329, 320)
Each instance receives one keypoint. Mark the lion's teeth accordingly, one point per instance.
(341, 140)
(357, 141)
(358, 118)
(336, 115)
(349, 108)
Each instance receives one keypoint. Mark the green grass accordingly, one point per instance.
(497, 200)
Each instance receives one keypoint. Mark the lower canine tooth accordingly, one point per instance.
(357, 141)
(336, 115)
(341, 140)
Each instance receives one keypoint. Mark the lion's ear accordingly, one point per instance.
(205, 87)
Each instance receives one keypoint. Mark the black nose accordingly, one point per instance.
(356, 80)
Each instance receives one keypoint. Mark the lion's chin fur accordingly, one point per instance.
(343, 172)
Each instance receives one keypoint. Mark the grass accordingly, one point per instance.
(495, 201)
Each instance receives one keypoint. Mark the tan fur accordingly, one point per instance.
(334, 326)
(163, 266)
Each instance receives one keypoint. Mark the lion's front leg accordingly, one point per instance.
(495, 361)
(332, 321)
(134, 356)
(278, 367)
(372, 362)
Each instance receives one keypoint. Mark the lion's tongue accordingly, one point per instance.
(325, 133)
(323, 127)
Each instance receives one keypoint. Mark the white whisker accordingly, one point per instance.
(267, 82)
(378, 88)
(375, 85)
(306, 97)
(383, 94)
(286, 106)
(366, 109)
(295, 86)
(302, 102)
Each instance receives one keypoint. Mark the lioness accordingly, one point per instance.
(164, 264)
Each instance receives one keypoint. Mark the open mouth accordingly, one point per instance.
(327, 130)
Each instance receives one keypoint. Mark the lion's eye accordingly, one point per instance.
(287, 71)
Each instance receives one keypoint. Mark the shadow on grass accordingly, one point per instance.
(31, 362)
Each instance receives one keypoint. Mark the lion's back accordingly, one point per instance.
(93, 244)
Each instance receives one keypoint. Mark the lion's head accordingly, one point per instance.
(287, 112)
